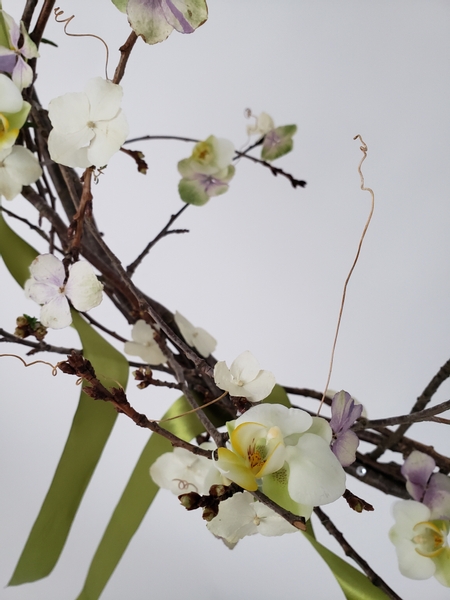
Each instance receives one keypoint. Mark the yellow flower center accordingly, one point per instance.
(431, 537)
(203, 152)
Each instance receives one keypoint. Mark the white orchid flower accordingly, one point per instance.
(244, 378)
(196, 337)
(144, 344)
(286, 453)
(88, 127)
(18, 167)
(421, 543)
(46, 287)
(262, 125)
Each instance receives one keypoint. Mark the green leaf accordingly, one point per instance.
(121, 5)
(354, 584)
(88, 435)
(137, 497)
(278, 396)
(16, 253)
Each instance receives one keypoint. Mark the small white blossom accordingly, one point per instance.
(181, 471)
(88, 127)
(241, 515)
(18, 167)
(244, 378)
(197, 337)
(46, 287)
(144, 344)
(263, 124)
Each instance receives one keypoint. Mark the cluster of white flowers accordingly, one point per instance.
(282, 451)
(181, 472)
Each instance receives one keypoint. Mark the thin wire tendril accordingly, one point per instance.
(58, 13)
(364, 150)
(189, 412)
(35, 362)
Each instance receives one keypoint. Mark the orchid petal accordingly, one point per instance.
(56, 313)
(316, 476)
(83, 288)
(147, 20)
(11, 100)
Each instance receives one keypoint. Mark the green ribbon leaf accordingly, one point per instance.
(354, 584)
(136, 499)
(91, 427)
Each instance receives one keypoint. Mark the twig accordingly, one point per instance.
(275, 170)
(43, 18)
(409, 419)
(125, 52)
(442, 375)
(77, 365)
(93, 321)
(164, 231)
(38, 230)
(296, 520)
(28, 12)
(38, 346)
(351, 552)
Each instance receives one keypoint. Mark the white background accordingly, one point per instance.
(261, 269)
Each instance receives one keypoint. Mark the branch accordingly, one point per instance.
(421, 402)
(275, 170)
(38, 346)
(295, 520)
(79, 366)
(125, 52)
(164, 231)
(351, 552)
(409, 419)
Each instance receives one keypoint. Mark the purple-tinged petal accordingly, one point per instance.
(185, 15)
(147, 20)
(22, 74)
(417, 470)
(344, 412)
(8, 59)
(344, 448)
(48, 269)
(437, 496)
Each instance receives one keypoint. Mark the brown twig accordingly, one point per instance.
(296, 520)
(125, 51)
(409, 419)
(37, 346)
(442, 375)
(164, 231)
(79, 366)
(351, 552)
(42, 20)
(274, 170)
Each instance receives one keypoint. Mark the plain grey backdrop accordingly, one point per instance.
(261, 269)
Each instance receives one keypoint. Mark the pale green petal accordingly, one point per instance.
(192, 192)
(316, 476)
(147, 20)
(83, 288)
